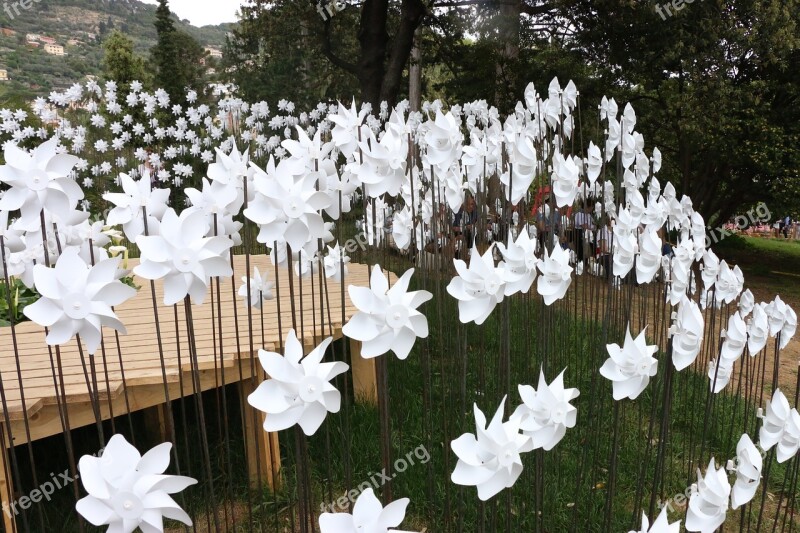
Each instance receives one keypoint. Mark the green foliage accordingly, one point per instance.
(276, 53)
(120, 62)
(20, 297)
(40, 73)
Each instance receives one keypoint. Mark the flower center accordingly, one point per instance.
(311, 389)
(185, 260)
(127, 505)
(396, 316)
(76, 306)
(294, 207)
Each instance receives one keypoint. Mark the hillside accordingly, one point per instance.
(80, 27)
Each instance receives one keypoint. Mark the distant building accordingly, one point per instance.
(32, 37)
(211, 71)
(54, 49)
(213, 52)
(3, 74)
(47, 40)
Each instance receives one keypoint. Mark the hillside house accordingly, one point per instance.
(3, 74)
(213, 52)
(32, 37)
(47, 40)
(54, 49)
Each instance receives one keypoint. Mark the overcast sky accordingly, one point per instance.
(203, 12)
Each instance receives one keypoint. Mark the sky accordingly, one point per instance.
(203, 12)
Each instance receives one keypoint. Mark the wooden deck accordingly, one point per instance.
(34, 373)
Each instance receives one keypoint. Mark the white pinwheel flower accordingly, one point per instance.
(297, 391)
(727, 285)
(402, 224)
(523, 160)
(594, 163)
(443, 140)
(369, 516)
(630, 367)
(708, 505)
(478, 288)
(346, 125)
(519, 265)
(735, 338)
(77, 299)
(649, 260)
(130, 205)
(215, 198)
(38, 180)
(546, 414)
(556, 275)
(661, 525)
(287, 204)
(260, 289)
(710, 269)
(565, 179)
(719, 374)
(387, 318)
(748, 472)
(128, 490)
(780, 427)
(383, 166)
(789, 327)
(687, 333)
(183, 256)
(490, 458)
(746, 303)
(333, 261)
(757, 330)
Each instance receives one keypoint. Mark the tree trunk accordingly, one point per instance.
(415, 76)
(373, 41)
(508, 35)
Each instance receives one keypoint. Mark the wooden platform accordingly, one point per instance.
(223, 353)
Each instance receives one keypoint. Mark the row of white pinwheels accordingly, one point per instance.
(313, 178)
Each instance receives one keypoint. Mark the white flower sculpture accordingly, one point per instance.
(719, 374)
(183, 256)
(649, 260)
(490, 459)
(369, 516)
(478, 288)
(336, 257)
(757, 330)
(630, 367)
(661, 525)
(735, 338)
(687, 334)
(77, 299)
(789, 327)
(519, 265)
(781, 428)
(546, 414)
(130, 205)
(287, 205)
(556, 275)
(708, 505)
(748, 472)
(383, 166)
(387, 318)
(565, 180)
(128, 490)
(260, 289)
(297, 391)
(38, 180)
(727, 285)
